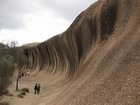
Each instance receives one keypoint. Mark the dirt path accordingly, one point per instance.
(29, 99)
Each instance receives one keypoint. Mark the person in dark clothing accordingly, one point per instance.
(35, 88)
(38, 88)
(22, 74)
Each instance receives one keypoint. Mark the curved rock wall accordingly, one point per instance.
(96, 50)
(64, 52)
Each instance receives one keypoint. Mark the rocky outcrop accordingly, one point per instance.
(100, 52)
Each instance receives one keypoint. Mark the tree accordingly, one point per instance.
(21, 61)
(11, 58)
(6, 67)
(6, 70)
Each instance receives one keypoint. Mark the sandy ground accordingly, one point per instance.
(29, 99)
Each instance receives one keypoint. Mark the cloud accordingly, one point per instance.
(68, 9)
(37, 20)
(12, 13)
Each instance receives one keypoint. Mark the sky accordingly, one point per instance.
(28, 21)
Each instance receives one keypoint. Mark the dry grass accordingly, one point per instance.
(25, 90)
(20, 96)
(1, 97)
(4, 103)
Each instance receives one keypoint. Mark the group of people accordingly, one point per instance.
(22, 74)
(37, 88)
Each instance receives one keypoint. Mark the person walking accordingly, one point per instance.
(35, 88)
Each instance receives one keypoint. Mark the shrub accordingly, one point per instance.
(10, 57)
(9, 94)
(1, 97)
(23, 93)
(6, 68)
(4, 103)
(25, 90)
(20, 96)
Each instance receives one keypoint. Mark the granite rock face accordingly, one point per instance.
(98, 56)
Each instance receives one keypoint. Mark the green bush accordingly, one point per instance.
(11, 57)
(6, 70)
